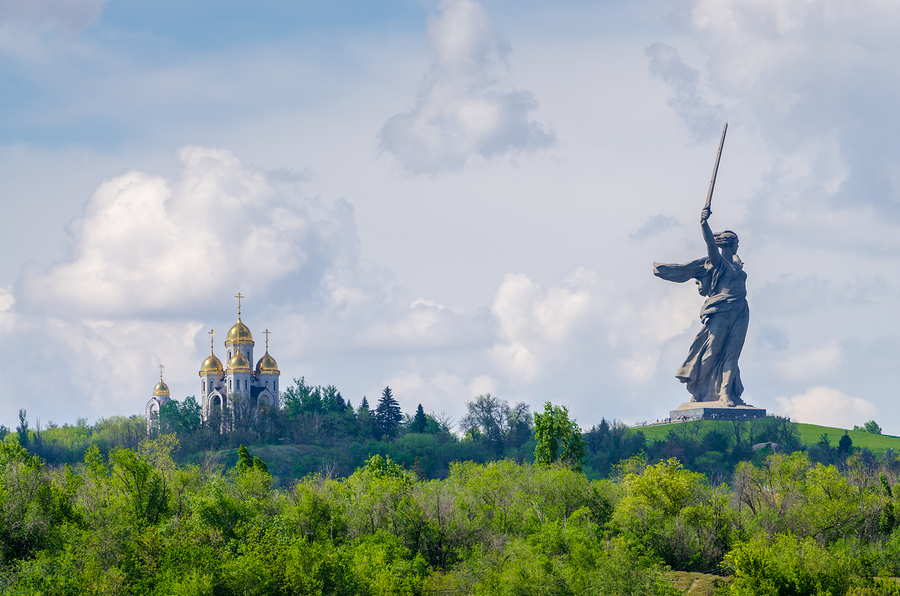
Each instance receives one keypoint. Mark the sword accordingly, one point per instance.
(712, 183)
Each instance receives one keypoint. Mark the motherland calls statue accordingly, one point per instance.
(711, 370)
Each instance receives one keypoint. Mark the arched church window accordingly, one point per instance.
(245, 384)
(229, 384)
(203, 386)
(267, 384)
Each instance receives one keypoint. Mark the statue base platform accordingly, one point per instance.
(715, 410)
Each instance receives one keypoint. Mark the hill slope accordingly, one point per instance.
(809, 434)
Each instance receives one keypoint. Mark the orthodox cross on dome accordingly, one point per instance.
(267, 332)
(212, 340)
(161, 367)
(239, 304)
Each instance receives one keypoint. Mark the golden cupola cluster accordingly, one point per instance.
(230, 382)
(239, 347)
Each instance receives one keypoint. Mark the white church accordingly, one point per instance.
(223, 389)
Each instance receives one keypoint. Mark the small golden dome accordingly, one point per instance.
(161, 390)
(239, 363)
(239, 334)
(267, 365)
(211, 366)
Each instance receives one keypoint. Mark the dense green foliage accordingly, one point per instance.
(136, 522)
(315, 497)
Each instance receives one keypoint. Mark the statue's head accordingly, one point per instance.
(727, 238)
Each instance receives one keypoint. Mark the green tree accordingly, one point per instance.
(420, 421)
(143, 485)
(787, 565)
(872, 427)
(558, 438)
(388, 412)
(675, 514)
(845, 445)
(332, 400)
(301, 398)
(22, 429)
(368, 424)
(248, 462)
(887, 522)
(26, 502)
(488, 416)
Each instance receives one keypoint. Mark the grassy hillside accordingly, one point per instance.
(809, 433)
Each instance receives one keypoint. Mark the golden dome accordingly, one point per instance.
(211, 366)
(239, 334)
(239, 363)
(267, 365)
(161, 390)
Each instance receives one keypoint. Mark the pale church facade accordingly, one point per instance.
(237, 385)
(160, 397)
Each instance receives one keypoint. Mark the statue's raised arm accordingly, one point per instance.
(711, 248)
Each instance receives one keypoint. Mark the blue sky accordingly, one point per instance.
(450, 198)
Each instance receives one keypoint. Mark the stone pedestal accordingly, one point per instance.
(715, 410)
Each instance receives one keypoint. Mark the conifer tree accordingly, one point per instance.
(419, 421)
(388, 412)
(22, 429)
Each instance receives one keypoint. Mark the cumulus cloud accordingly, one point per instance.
(153, 262)
(827, 406)
(463, 110)
(69, 15)
(536, 326)
(148, 245)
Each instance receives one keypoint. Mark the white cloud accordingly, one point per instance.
(537, 326)
(828, 407)
(463, 110)
(147, 245)
(69, 15)
(818, 362)
(152, 263)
